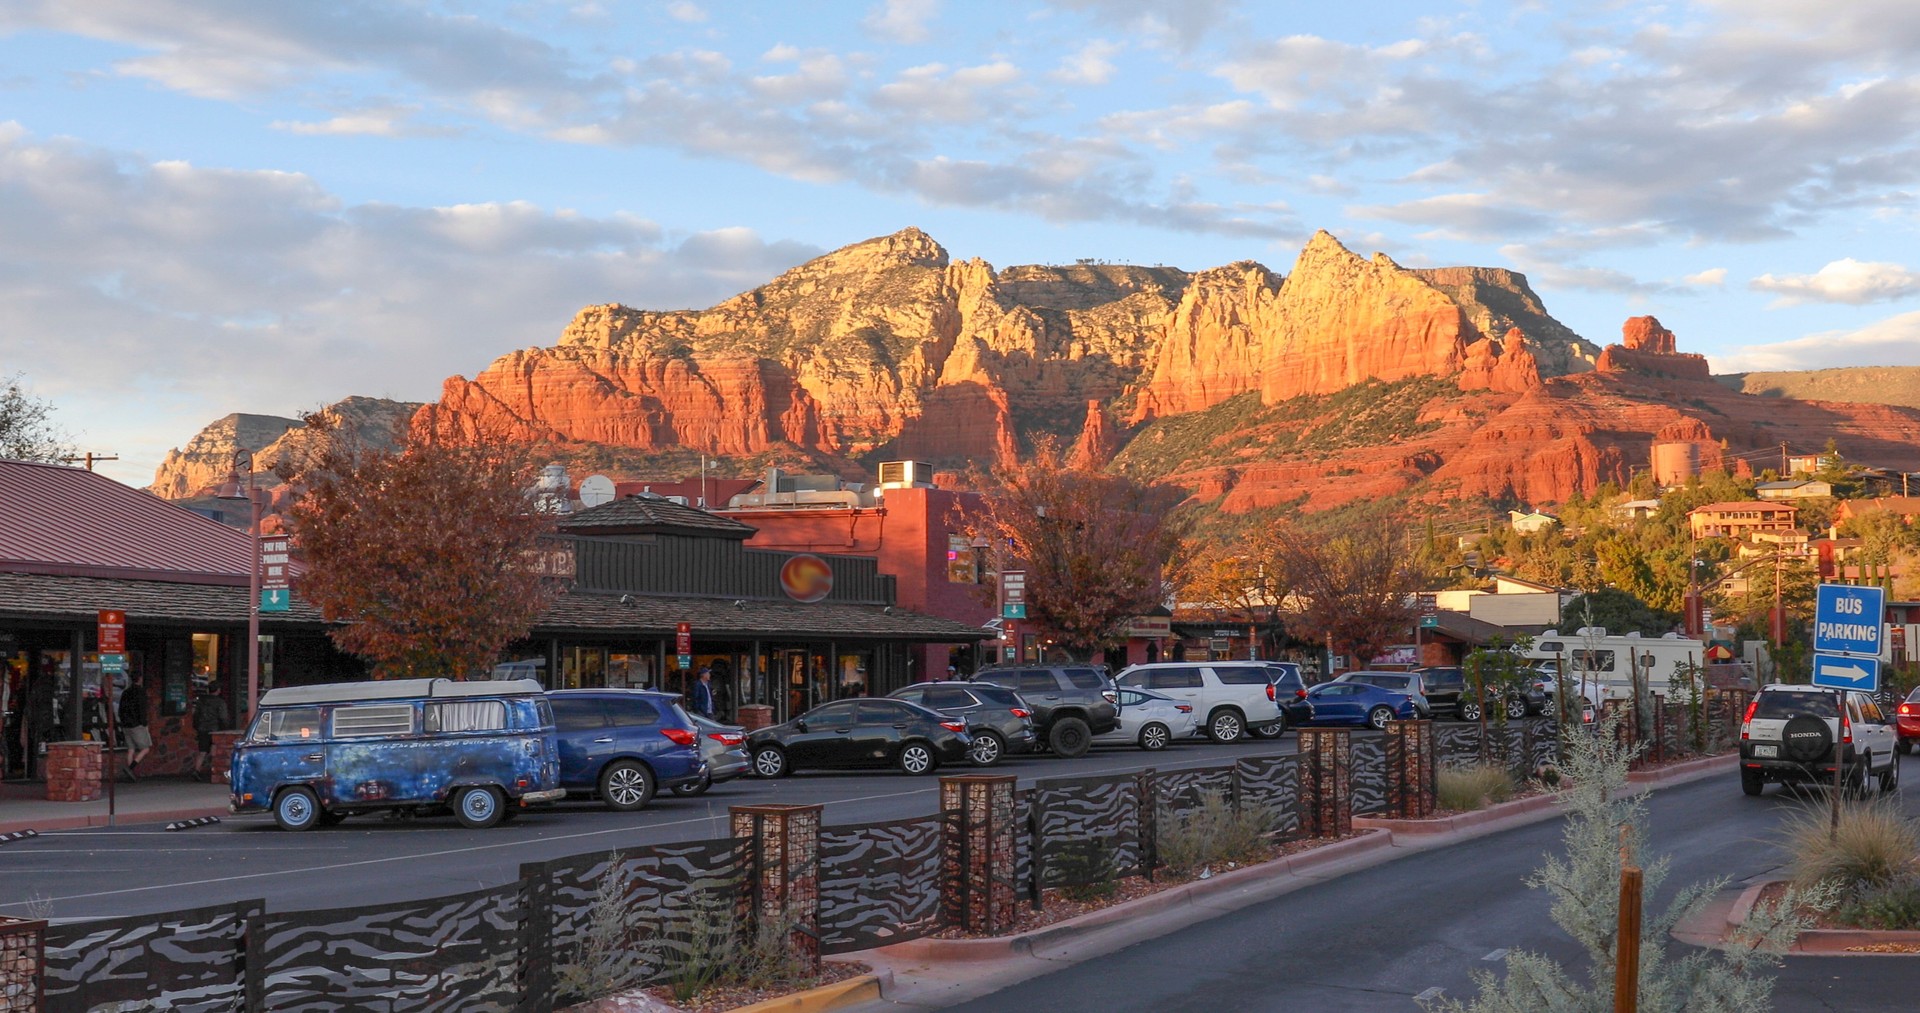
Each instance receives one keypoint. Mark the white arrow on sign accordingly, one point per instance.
(1854, 672)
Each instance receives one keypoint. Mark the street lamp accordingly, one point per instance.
(232, 490)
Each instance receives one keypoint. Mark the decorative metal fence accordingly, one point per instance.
(881, 882)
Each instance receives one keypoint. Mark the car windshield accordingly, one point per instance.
(1778, 706)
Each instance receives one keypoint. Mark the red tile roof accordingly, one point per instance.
(61, 520)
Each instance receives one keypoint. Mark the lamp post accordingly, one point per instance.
(231, 490)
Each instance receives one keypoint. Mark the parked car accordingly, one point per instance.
(1071, 703)
(1356, 703)
(1230, 696)
(317, 754)
(1150, 721)
(998, 721)
(1290, 692)
(724, 747)
(1795, 734)
(1412, 684)
(860, 733)
(1447, 695)
(1907, 721)
(623, 745)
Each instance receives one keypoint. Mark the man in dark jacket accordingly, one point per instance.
(209, 716)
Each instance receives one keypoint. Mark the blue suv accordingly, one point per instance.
(623, 745)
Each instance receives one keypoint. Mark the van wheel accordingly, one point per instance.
(296, 809)
(626, 786)
(477, 807)
(1226, 726)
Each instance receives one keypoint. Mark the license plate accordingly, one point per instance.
(1767, 751)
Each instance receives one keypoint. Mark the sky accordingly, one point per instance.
(210, 206)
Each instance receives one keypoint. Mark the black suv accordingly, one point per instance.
(999, 721)
(1071, 703)
(1446, 692)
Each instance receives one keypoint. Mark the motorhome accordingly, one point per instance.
(1605, 665)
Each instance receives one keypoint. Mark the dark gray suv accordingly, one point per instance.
(1071, 703)
(999, 721)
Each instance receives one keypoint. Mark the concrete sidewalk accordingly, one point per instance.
(24, 805)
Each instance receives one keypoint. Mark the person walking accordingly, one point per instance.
(133, 726)
(702, 695)
(209, 716)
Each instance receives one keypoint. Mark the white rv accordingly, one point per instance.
(1604, 665)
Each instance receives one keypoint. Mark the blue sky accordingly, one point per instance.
(211, 206)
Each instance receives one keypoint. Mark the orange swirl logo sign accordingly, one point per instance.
(806, 578)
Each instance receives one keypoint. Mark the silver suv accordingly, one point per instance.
(1231, 697)
(1796, 734)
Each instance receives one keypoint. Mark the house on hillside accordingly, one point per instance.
(1796, 489)
(1803, 464)
(1635, 509)
(1907, 508)
(1740, 518)
(1532, 522)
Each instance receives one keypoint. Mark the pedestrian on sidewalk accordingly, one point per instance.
(702, 695)
(209, 716)
(133, 725)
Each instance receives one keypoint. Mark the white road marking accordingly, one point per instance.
(1430, 995)
(1500, 954)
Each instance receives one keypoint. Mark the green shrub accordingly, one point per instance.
(1466, 788)
(1089, 865)
(1894, 906)
(1875, 846)
(1211, 833)
(714, 945)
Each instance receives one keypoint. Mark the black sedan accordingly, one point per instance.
(860, 733)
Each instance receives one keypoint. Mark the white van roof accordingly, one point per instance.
(396, 689)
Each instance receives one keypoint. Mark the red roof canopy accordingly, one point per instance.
(60, 520)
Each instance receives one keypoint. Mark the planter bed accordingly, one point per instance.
(1829, 937)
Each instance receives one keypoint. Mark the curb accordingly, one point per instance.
(1686, 770)
(1823, 942)
(1184, 895)
(864, 988)
(119, 819)
(1463, 821)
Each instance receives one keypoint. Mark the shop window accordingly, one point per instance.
(630, 671)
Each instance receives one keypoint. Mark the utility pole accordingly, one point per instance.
(89, 457)
(1784, 473)
(1779, 618)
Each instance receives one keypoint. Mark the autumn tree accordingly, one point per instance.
(27, 432)
(1354, 588)
(1239, 581)
(1094, 546)
(422, 553)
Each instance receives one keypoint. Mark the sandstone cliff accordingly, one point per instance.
(208, 458)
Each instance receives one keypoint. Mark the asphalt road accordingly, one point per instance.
(145, 869)
(1375, 939)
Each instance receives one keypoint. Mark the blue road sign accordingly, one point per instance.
(1013, 610)
(1846, 619)
(277, 599)
(1835, 672)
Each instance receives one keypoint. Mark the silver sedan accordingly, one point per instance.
(1150, 721)
(724, 747)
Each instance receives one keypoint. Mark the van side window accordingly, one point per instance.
(632, 713)
(373, 719)
(1241, 675)
(466, 716)
(293, 723)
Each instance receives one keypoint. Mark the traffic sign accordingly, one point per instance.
(113, 663)
(1836, 672)
(1013, 610)
(686, 661)
(683, 640)
(1429, 622)
(275, 599)
(1846, 619)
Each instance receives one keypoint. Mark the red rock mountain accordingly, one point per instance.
(1347, 378)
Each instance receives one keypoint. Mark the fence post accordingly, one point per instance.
(1148, 800)
(979, 860)
(785, 846)
(1327, 768)
(1410, 769)
(1036, 869)
(23, 964)
(536, 939)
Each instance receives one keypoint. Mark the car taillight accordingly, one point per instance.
(727, 739)
(1271, 695)
(1746, 723)
(1906, 708)
(1112, 697)
(1020, 713)
(1846, 728)
(958, 727)
(1184, 708)
(679, 736)
(1299, 694)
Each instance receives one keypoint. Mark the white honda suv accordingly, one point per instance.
(1795, 734)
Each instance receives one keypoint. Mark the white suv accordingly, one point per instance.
(1792, 734)
(1232, 697)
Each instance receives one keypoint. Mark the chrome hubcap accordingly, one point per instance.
(1226, 727)
(626, 786)
(767, 763)
(986, 749)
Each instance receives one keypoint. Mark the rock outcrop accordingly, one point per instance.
(1099, 440)
(1648, 349)
(208, 458)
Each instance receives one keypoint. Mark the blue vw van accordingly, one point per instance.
(318, 754)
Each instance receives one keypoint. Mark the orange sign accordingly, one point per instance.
(806, 578)
(113, 632)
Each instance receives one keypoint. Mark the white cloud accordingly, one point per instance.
(1090, 64)
(380, 121)
(691, 13)
(1889, 342)
(1181, 24)
(902, 20)
(215, 290)
(1466, 215)
(1712, 277)
(1843, 281)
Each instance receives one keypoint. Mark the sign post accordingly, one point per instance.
(110, 642)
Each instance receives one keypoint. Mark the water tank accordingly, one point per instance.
(1675, 463)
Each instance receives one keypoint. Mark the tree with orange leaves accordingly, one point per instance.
(421, 553)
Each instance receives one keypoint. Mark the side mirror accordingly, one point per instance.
(800, 725)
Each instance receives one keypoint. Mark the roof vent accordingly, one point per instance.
(906, 475)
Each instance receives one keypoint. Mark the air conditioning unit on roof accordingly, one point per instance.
(906, 475)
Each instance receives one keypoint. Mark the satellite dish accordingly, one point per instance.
(595, 490)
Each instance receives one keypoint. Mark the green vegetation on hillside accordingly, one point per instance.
(1894, 385)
